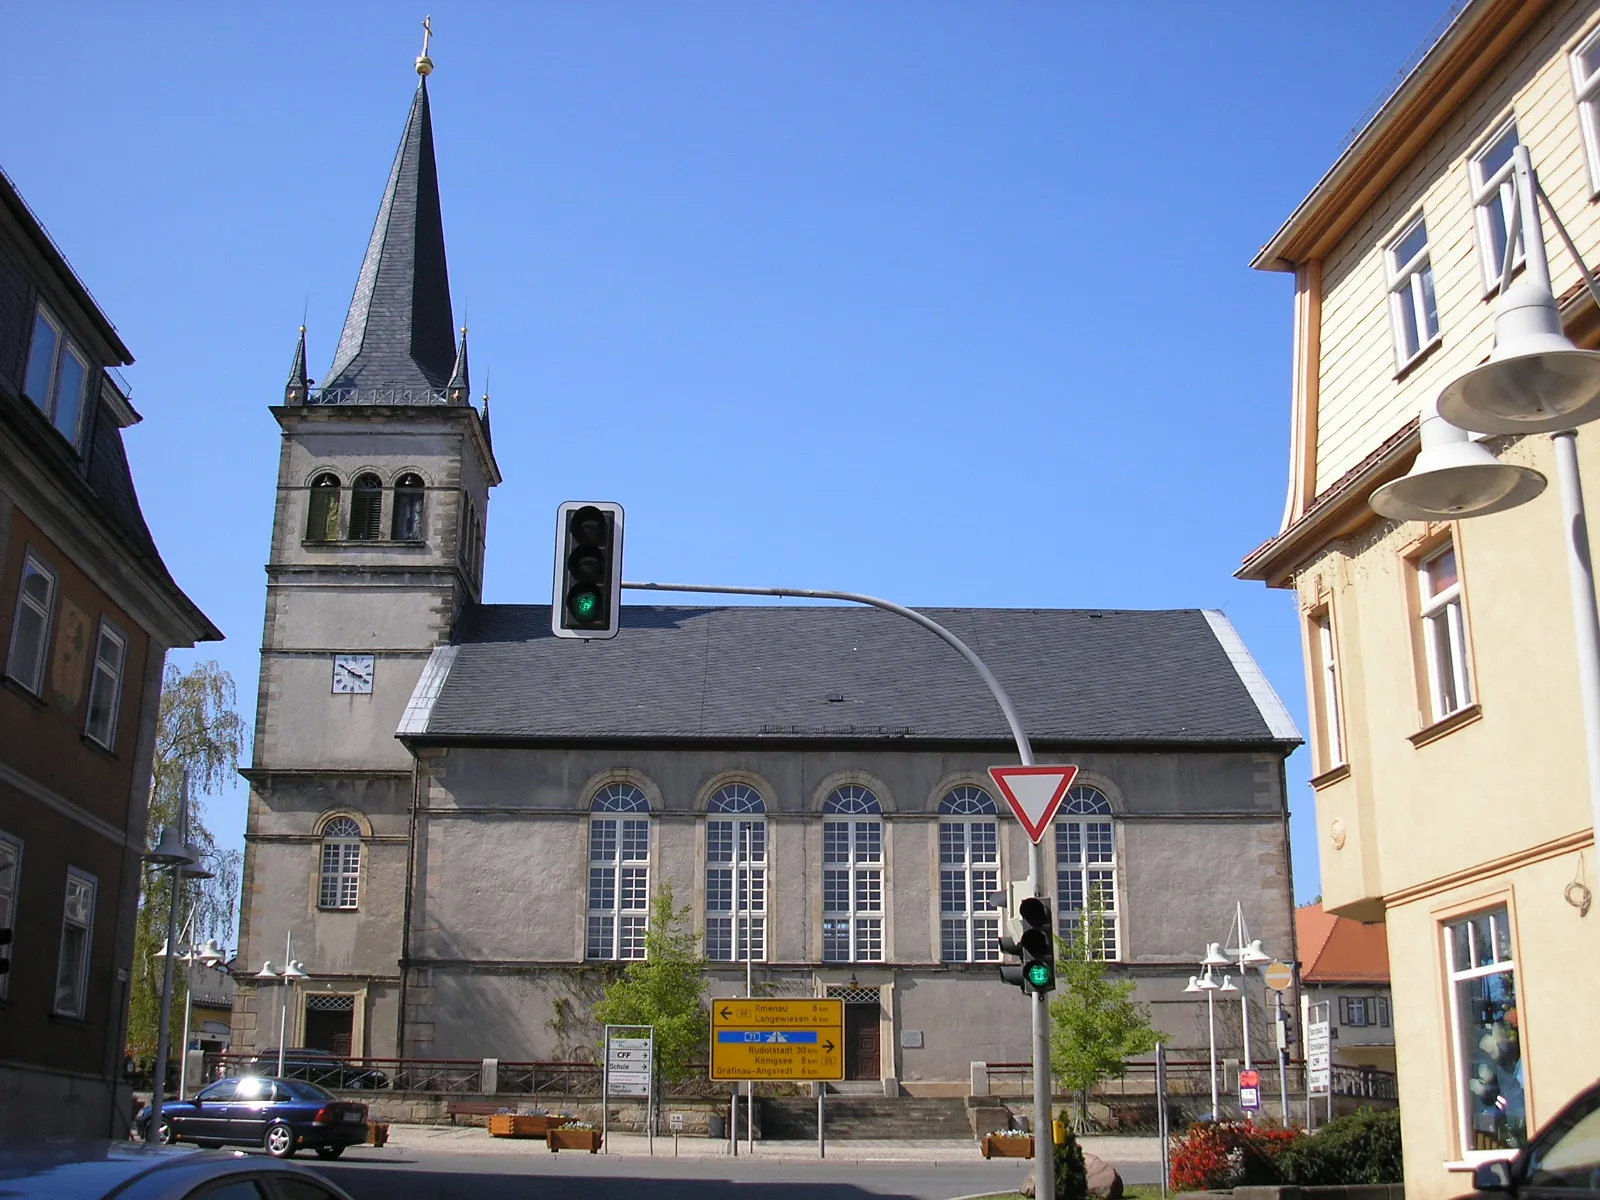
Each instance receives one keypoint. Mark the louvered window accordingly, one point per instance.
(366, 508)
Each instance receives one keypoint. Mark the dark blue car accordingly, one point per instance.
(281, 1115)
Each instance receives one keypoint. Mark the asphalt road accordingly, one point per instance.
(570, 1176)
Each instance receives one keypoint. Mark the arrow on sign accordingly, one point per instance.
(726, 1012)
(828, 1046)
(1034, 793)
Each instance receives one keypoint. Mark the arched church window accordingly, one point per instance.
(1086, 865)
(341, 864)
(366, 508)
(408, 501)
(619, 872)
(969, 873)
(852, 876)
(322, 521)
(736, 875)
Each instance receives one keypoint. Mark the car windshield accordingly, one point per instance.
(308, 1091)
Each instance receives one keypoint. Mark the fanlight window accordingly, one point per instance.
(736, 875)
(322, 520)
(409, 496)
(969, 873)
(619, 873)
(852, 876)
(341, 864)
(366, 508)
(1086, 864)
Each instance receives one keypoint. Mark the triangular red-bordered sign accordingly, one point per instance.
(1034, 793)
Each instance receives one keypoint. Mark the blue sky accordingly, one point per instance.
(945, 302)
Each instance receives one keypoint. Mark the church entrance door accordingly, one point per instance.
(861, 1041)
(330, 1024)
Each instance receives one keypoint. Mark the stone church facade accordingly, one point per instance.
(460, 819)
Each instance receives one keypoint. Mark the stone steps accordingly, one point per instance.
(903, 1117)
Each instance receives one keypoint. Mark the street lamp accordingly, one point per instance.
(173, 853)
(1246, 953)
(209, 955)
(1536, 381)
(291, 973)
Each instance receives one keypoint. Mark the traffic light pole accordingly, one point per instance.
(1043, 1141)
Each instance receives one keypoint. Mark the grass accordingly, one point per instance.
(1143, 1191)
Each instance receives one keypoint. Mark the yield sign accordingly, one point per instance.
(1034, 793)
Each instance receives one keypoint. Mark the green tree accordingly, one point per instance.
(664, 989)
(1095, 1024)
(201, 736)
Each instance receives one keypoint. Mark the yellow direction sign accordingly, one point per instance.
(777, 1039)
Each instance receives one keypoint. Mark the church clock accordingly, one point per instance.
(353, 673)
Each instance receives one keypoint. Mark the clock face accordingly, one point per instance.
(352, 673)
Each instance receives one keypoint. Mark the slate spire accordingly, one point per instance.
(459, 389)
(397, 346)
(294, 392)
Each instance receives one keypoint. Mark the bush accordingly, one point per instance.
(1072, 1180)
(1363, 1147)
(1225, 1154)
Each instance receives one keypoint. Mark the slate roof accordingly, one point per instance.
(398, 333)
(833, 673)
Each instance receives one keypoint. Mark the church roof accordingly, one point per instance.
(828, 673)
(398, 343)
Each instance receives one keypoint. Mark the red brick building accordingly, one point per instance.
(87, 614)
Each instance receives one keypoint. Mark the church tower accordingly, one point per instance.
(377, 546)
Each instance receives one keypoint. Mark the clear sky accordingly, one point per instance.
(945, 302)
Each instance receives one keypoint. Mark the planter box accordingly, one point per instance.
(573, 1139)
(377, 1132)
(524, 1125)
(1001, 1145)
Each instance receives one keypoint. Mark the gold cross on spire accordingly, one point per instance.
(424, 63)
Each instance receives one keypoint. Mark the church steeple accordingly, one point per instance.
(459, 389)
(397, 346)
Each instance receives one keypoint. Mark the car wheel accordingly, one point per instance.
(166, 1135)
(279, 1141)
(329, 1151)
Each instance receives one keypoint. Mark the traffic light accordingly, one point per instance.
(5, 951)
(588, 574)
(1032, 939)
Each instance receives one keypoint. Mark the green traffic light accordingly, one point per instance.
(1040, 975)
(585, 605)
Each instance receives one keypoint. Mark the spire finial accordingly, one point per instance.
(424, 63)
(459, 389)
(487, 436)
(294, 392)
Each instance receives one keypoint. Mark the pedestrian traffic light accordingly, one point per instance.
(588, 573)
(1032, 940)
(5, 951)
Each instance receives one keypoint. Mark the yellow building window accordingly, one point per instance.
(1491, 1092)
(1325, 699)
(1443, 619)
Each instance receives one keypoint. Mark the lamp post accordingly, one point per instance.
(1205, 983)
(1536, 381)
(291, 973)
(172, 852)
(1246, 953)
(209, 955)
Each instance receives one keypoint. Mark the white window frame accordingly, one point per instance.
(1384, 1011)
(1410, 285)
(969, 873)
(72, 970)
(34, 679)
(618, 911)
(1086, 815)
(1586, 90)
(736, 876)
(105, 675)
(50, 403)
(1493, 199)
(1459, 977)
(10, 886)
(853, 868)
(1444, 635)
(1333, 747)
(339, 875)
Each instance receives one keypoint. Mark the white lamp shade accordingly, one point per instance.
(1215, 957)
(193, 870)
(1194, 984)
(169, 850)
(1536, 381)
(211, 954)
(1206, 983)
(1227, 985)
(295, 970)
(268, 971)
(1454, 476)
(166, 949)
(1253, 955)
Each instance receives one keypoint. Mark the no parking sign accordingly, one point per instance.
(1250, 1090)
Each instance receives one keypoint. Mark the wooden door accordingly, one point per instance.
(329, 1031)
(861, 1041)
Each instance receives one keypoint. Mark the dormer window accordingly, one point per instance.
(57, 375)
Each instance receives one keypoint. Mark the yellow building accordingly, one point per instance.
(1451, 780)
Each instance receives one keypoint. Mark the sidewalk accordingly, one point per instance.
(446, 1139)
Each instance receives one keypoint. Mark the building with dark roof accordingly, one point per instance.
(458, 817)
(87, 614)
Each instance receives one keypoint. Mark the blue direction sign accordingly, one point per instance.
(738, 1036)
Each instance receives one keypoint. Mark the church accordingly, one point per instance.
(457, 820)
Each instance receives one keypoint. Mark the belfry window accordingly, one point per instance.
(366, 508)
(408, 501)
(322, 517)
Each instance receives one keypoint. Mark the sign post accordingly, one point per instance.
(1279, 976)
(629, 1071)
